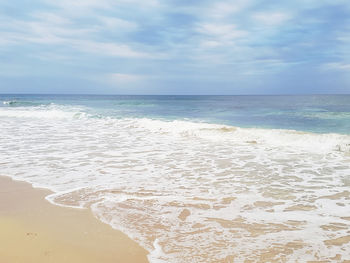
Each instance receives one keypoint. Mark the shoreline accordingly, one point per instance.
(34, 230)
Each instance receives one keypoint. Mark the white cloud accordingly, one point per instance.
(219, 35)
(44, 28)
(126, 83)
(120, 78)
(108, 49)
(111, 49)
(51, 18)
(117, 23)
(123, 82)
(210, 44)
(271, 18)
(336, 66)
(223, 9)
(70, 6)
(5, 40)
(53, 29)
(141, 3)
(344, 37)
(83, 7)
(221, 31)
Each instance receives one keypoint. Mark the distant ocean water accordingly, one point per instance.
(313, 113)
(193, 178)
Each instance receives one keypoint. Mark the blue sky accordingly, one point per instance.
(175, 46)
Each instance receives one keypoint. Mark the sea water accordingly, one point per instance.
(193, 178)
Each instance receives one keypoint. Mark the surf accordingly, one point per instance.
(187, 191)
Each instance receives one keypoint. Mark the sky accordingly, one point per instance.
(175, 46)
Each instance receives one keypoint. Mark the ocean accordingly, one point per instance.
(193, 178)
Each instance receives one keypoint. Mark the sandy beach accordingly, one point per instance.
(33, 230)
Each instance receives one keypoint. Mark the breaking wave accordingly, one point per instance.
(215, 132)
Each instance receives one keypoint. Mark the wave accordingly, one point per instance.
(274, 137)
(9, 102)
(292, 139)
(51, 111)
(19, 103)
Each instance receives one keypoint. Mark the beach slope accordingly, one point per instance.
(33, 230)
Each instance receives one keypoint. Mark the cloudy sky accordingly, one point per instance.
(175, 46)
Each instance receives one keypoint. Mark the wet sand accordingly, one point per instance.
(33, 230)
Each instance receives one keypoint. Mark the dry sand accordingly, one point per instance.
(33, 230)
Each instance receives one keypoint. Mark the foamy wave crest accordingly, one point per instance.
(9, 102)
(20, 103)
(273, 137)
(292, 139)
(43, 112)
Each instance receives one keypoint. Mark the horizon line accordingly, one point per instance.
(112, 94)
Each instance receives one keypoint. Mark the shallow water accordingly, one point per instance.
(184, 187)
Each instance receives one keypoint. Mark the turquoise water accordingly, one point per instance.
(314, 113)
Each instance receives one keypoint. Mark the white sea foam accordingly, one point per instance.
(272, 137)
(189, 192)
(157, 255)
(9, 102)
(42, 112)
